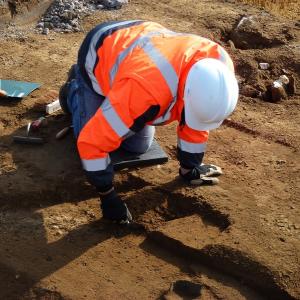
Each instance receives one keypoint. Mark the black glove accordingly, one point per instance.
(114, 209)
(201, 175)
(210, 170)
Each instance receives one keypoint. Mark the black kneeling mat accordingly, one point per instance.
(122, 159)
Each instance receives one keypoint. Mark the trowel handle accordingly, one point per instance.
(39, 123)
(62, 133)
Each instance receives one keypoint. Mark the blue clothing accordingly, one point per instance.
(83, 104)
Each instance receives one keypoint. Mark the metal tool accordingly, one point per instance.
(28, 140)
(63, 133)
(35, 125)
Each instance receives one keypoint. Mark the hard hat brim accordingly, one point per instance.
(193, 122)
(210, 95)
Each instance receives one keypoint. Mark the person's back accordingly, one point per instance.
(155, 57)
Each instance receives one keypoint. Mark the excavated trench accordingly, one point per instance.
(256, 133)
(153, 208)
(14, 286)
(22, 12)
(223, 260)
(166, 207)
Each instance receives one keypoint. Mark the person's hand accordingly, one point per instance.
(201, 175)
(3, 93)
(114, 208)
(209, 170)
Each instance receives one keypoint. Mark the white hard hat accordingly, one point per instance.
(210, 94)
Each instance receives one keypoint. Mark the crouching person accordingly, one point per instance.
(133, 75)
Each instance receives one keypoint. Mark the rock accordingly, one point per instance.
(171, 296)
(59, 233)
(249, 91)
(278, 89)
(40, 25)
(231, 45)
(113, 4)
(280, 162)
(277, 92)
(68, 27)
(259, 31)
(264, 66)
(48, 25)
(291, 86)
(183, 289)
(45, 31)
(283, 79)
(64, 15)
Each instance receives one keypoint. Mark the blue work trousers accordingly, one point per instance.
(83, 103)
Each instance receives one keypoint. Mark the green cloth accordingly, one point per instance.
(18, 89)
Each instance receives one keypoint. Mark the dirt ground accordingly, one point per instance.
(236, 240)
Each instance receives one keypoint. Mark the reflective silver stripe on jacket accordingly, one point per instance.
(191, 147)
(114, 120)
(140, 42)
(167, 115)
(164, 66)
(91, 57)
(97, 164)
(170, 76)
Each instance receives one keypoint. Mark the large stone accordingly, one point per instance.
(277, 92)
(113, 4)
(260, 31)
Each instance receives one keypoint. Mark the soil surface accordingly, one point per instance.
(236, 240)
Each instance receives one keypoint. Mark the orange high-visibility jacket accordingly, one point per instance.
(140, 67)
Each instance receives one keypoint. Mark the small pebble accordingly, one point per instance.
(280, 162)
(46, 31)
(264, 66)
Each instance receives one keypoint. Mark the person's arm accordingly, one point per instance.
(190, 151)
(96, 140)
(191, 145)
(119, 116)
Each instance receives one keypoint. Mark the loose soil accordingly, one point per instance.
(237, 240)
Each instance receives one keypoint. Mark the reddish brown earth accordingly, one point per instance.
(237, 240)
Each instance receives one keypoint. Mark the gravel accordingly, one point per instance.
(65, 15)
